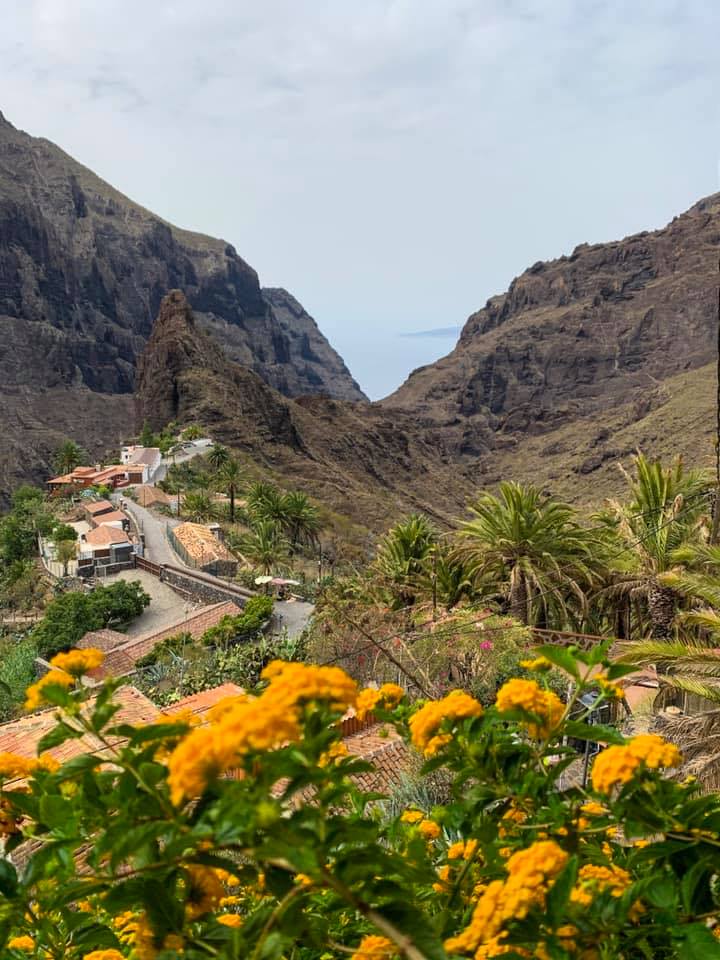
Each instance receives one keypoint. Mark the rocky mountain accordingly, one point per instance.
(358, 459)
(577, 352)
(82, 273)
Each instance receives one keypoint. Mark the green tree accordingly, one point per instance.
(71, 615)
(68, 456)
(63, 531)
(230, 477)
(265, 546)
(66, 550)
(198, 506)
(664, 513)
(217, 456)
(147, 437)
(301, 519)
(533, 552)
(193, 432)
(402, 556)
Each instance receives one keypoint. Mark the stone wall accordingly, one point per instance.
(199, 588)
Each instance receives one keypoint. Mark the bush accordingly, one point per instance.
(234, 629)
(71, 615)
(17, 670)
(157, 853)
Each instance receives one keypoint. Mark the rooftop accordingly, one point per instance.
(105, 535)
(23, 735)
(145, 455)
(201, 543)
(102, 640)
(200, 703)
(99, 506)
(114, 516)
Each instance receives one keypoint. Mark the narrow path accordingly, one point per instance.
(157, 547)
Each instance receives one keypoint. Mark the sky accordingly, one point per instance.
(392, 163)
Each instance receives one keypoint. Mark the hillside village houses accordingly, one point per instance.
(138, 465)
(105, 542)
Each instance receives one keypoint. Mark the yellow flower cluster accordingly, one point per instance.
(205, 891)
(230, 920)
(462, 850)
(336, 752)
(22, 943)
(429, 829)
(389, 695)
(594, 879)
(15, 767)
(78, 662)
(527, 696)
(249, 725)
(374, 948)
(607, 686)
(530, 875)
(617, 765)
(104, 955)
(412, 816)
(539, 663)
(35, 694)
(424, 724)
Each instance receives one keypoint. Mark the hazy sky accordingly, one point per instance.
(393, 163)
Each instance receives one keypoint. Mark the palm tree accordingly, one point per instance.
(230, 476)
(402, 557)
(534, 551)
(448, 577)
(300, 519)
(690, 661)
(663, 514)
(69, 456)
(218, 456)
(265, 502)
(198, 506)
(265, 546)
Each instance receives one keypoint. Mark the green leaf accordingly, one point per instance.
(55, 811)
(59, 734)
(689, 884)
(662, 892)
(560, 657)
(413, 924)
(595, 732)
(8, 879)
(560, 892)
(698, 943)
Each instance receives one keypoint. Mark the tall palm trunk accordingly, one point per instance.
(518, 598)
(231, 491)
(662, 607)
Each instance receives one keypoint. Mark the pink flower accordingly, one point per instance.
(486, 645)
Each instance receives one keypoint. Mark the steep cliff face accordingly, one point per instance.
(581, 336)
(82, 274)
(366, 464)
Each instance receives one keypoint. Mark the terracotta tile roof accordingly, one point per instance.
(145, 455)
(99, 506)
(102, 640)
(121, 661)
(147, 495)
(22, 736)
(200, 703)
(201, 543)
(390, 756)
(104, 536)
(115, 516)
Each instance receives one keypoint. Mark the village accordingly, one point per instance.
(188, 579)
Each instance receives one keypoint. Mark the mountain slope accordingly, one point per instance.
(365, 464)
(578, 337)
(82, 274)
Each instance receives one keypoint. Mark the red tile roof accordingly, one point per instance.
(104, 536)
(99, 506)
(388, 753)
(102, 640)
(22, 736)
(114, 516)
(121, 661)
(200, 703)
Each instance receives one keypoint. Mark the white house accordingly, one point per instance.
(142, 461)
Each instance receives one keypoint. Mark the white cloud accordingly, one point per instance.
(393, 162)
